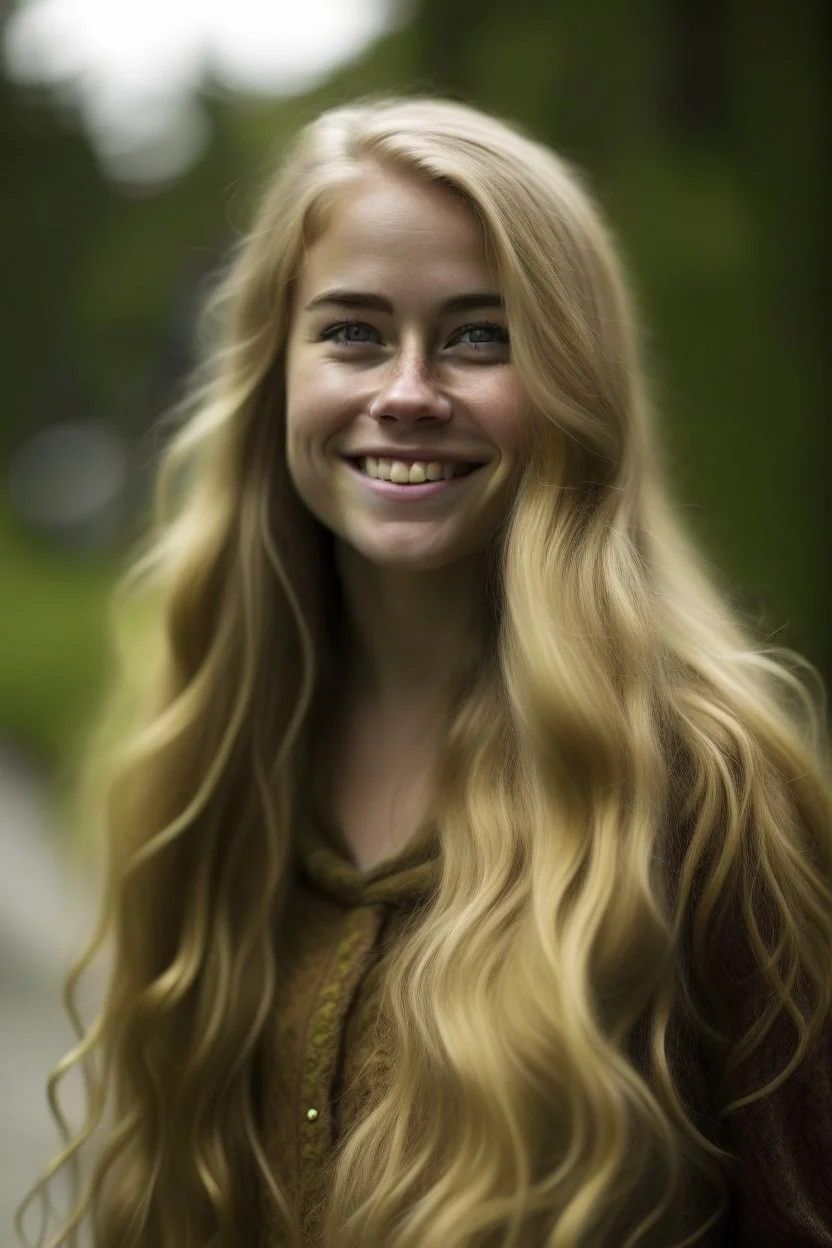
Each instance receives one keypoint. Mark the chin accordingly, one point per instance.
(401, 556)
(400, 561)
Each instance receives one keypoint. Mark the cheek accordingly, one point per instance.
(308, 413)
(507, 416)
(318, 399)
(312, 417)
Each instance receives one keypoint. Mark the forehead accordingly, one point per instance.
(392, 230)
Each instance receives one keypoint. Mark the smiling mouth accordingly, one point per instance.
(409, 473)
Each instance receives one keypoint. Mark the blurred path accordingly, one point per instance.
(46, 913)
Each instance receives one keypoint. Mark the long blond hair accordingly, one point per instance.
(633, 783)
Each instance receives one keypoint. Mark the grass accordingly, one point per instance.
(53, 644)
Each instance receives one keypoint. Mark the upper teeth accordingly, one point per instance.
(414, 473)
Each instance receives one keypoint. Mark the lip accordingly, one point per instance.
(409, 493)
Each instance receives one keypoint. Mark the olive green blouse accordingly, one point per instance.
(339, 923)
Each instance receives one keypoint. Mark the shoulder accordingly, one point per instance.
(780, 1138)
(782, 1141)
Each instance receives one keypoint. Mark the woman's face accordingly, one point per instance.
(398, 352)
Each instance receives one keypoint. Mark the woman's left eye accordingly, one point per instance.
(481, 334)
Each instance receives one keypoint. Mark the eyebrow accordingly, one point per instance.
(366, 299)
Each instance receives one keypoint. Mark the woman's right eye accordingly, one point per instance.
(353, 333)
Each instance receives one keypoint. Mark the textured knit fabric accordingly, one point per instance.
(338, 926)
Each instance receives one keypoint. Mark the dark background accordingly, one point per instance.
(703, 126)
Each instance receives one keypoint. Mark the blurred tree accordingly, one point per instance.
(103, 288)
(50, 212)
(704, 127)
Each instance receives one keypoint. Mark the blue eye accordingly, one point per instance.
(481, 334)
(349, 332)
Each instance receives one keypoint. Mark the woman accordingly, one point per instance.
(470, 865)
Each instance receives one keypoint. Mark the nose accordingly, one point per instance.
(409, 393)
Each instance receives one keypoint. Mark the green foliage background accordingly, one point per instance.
(702, 128)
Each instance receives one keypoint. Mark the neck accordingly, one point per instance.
(406, 630)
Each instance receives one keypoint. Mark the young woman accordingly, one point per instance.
(470, 862)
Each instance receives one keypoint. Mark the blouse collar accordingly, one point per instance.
(326, 860)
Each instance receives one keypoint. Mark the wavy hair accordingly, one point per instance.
(634, 800)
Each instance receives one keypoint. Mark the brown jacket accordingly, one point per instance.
(338, 924)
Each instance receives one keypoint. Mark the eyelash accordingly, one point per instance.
(329, 334)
